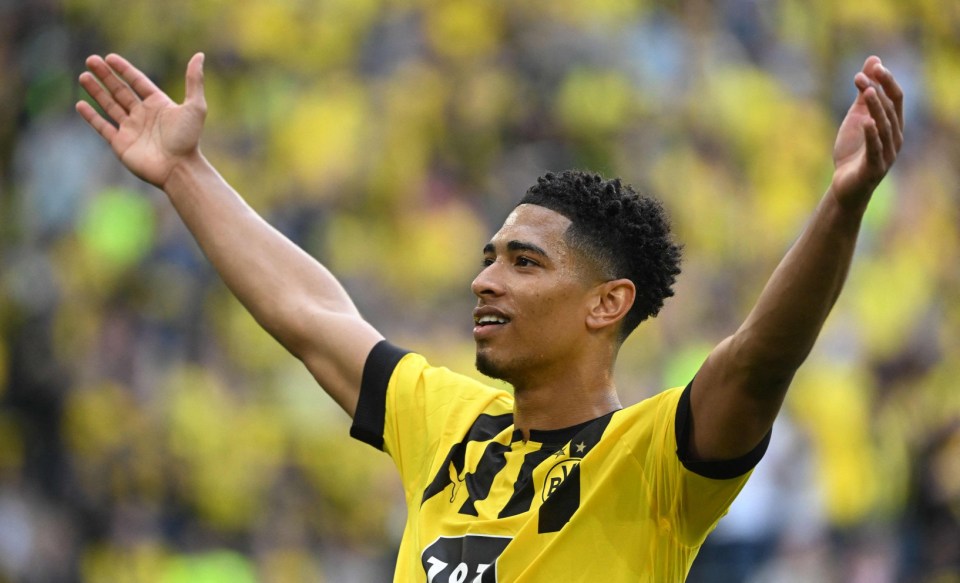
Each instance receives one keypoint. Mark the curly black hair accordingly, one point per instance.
(624, 234)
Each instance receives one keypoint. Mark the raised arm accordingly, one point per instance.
(289, 293)
(738, 391)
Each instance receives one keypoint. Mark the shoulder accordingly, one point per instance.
(403, 392)
(662, 405)
(414, 370)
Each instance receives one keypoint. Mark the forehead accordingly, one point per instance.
(534, 224)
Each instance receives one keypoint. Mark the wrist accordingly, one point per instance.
(842, 210)
(184, 172)
(851, 191)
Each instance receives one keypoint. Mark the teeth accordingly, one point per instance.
(491, 320)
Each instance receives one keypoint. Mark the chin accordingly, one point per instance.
(492, 369)
(486, 367)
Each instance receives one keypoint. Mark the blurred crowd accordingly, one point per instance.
(150, 431)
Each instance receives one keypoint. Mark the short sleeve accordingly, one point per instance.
(410, 409)
(689, 496)
(369, 417)
(719, 469)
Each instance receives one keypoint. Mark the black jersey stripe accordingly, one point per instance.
(483, 429)
(369, 417)
(523, 488)
(557, 510)
(478, 483)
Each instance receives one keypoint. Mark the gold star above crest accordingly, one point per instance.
(580, 447)
(558, 453)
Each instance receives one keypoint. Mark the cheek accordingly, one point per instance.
(555, 311)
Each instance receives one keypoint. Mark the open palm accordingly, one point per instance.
(152, 133)
(870, 136)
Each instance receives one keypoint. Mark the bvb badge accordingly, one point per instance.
(560, 471)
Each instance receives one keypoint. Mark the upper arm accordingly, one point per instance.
(334, 348)
(733, 402)
(740, 387)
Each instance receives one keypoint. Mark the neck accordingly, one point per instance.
(564, 399)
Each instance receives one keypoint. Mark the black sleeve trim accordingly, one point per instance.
(372, 405)
(718, 469)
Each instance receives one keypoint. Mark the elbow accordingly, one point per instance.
(293, 326)
(764, 363)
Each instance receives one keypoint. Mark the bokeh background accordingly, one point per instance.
(149, 431)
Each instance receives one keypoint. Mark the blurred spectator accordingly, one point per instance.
(150, 431)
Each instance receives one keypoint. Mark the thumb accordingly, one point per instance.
(195, 94)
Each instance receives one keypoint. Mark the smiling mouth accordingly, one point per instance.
(490, 320)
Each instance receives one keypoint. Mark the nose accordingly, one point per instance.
(488, 282)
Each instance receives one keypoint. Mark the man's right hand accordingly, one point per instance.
(153, 134)
(289, 293)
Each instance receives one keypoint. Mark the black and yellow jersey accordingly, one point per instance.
(610, 500)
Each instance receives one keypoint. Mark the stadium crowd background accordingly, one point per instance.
(149, 431)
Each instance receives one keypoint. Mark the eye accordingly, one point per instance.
(487, 261)
(523, 261)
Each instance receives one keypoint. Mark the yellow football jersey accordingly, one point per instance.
(610, 500)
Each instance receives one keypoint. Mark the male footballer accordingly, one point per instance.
(558, 481)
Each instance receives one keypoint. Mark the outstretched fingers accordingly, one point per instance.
(891, 90)
(141, 85)
(96, 121)
(118, 91)
(103, 97)
(892, 98)
(874, 146)
(872, 82)
(882, 123)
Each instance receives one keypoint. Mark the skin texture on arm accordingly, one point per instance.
(294, 297)
(739, 389)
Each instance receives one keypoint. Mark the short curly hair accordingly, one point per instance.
(624, 234)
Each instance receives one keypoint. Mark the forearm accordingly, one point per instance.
(781, 329)
(282, 286)
(740, 387)
(289, 293)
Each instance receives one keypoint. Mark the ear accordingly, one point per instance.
(611, 302)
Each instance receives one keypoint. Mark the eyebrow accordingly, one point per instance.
(518, 246)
